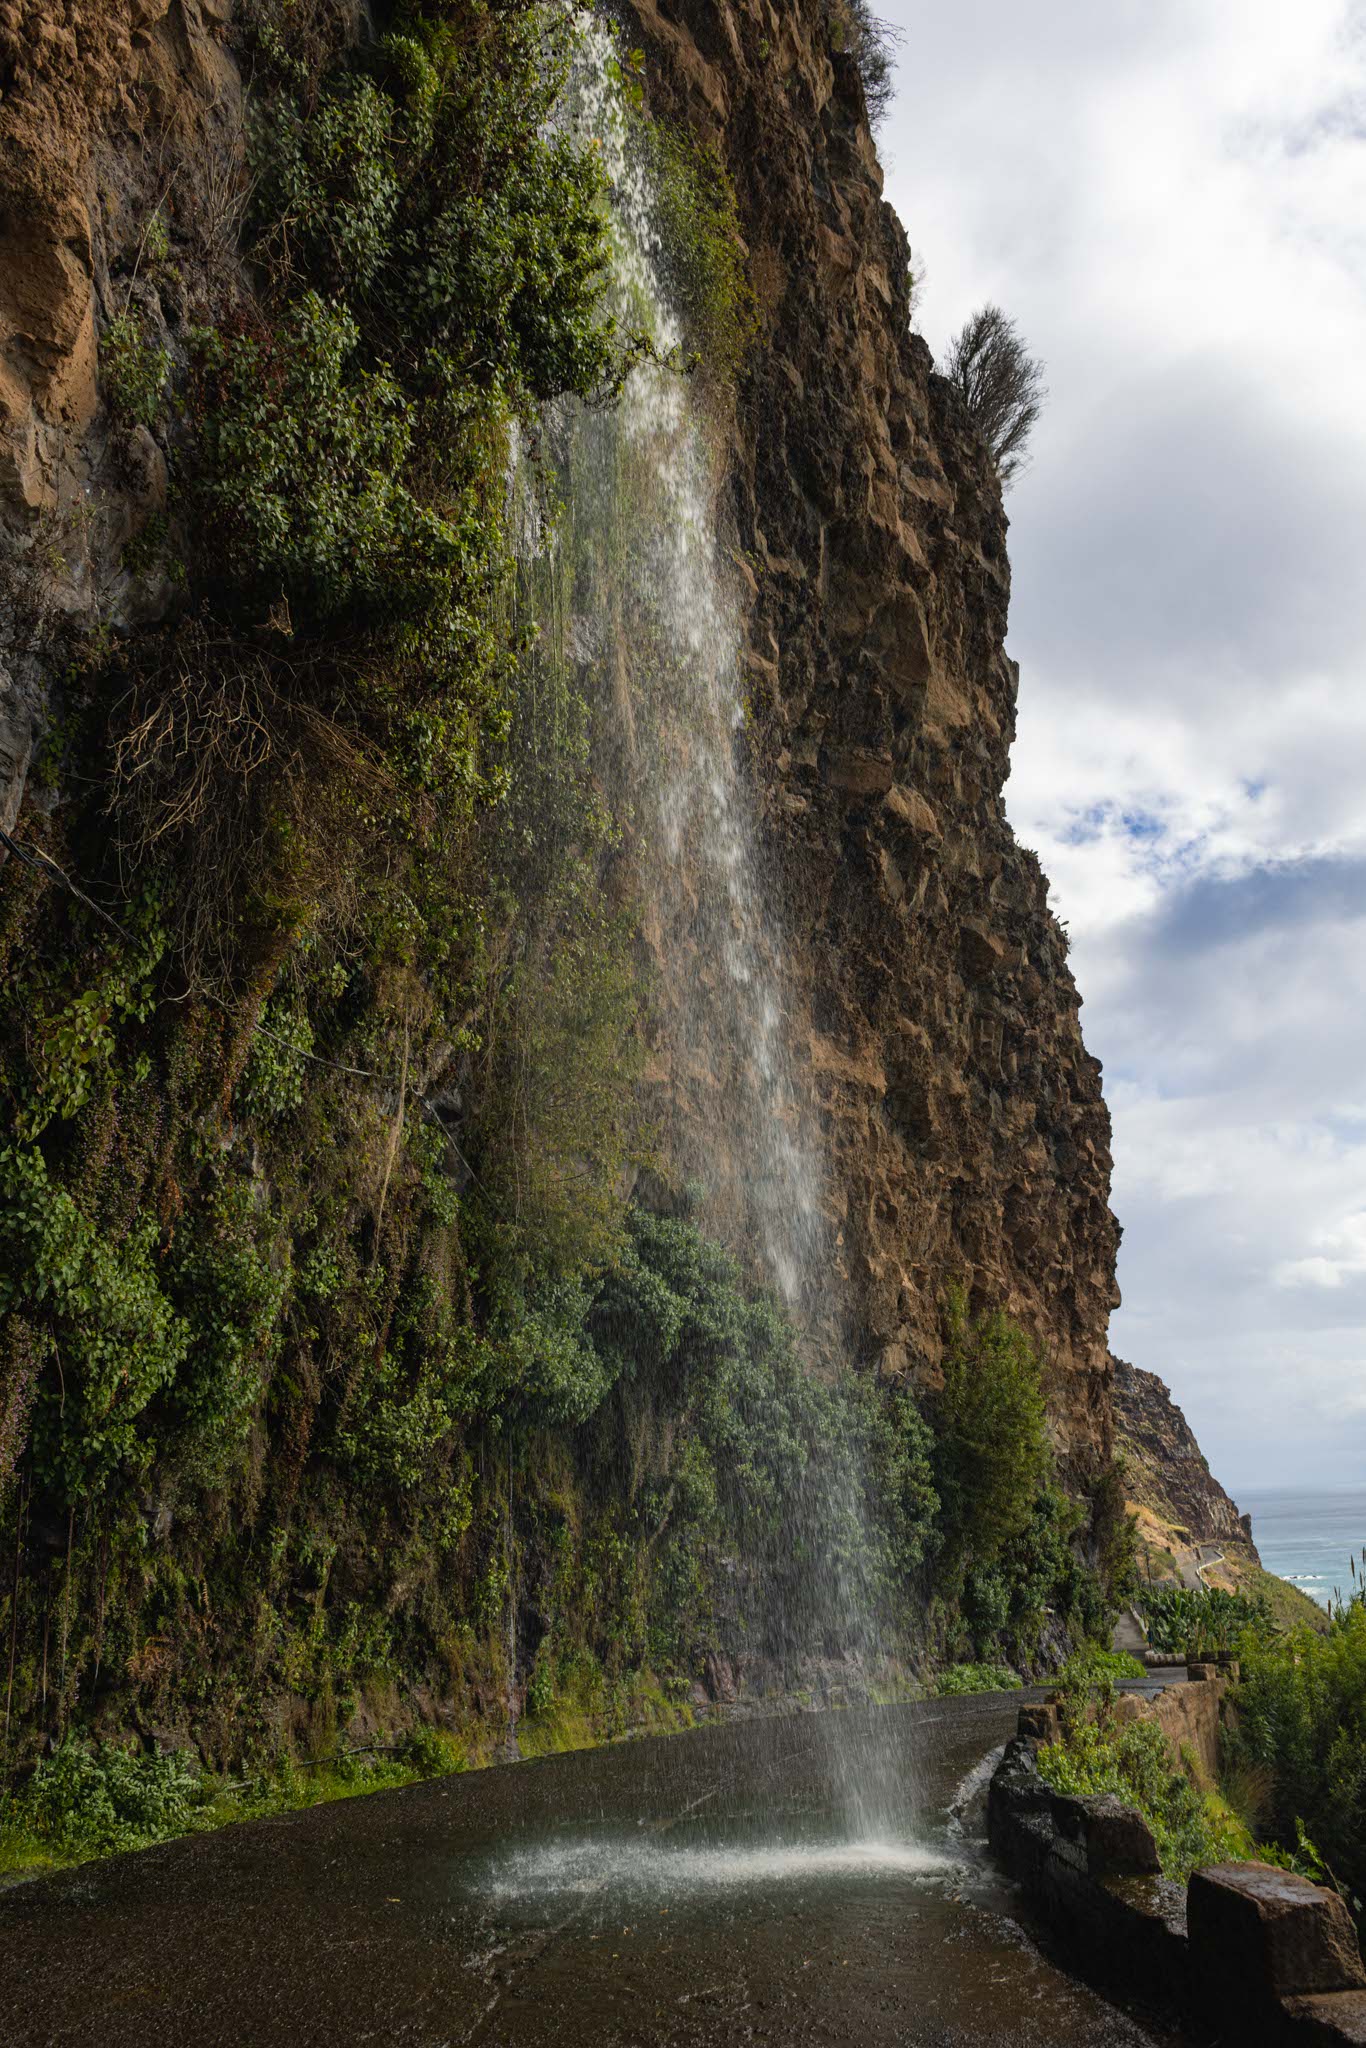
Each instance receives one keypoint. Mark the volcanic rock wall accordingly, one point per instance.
(1165, 1468)
(936, 1012)
(934, 1009)
(106, 111)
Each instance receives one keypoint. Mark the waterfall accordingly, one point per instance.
(646, 608)
(634, 592)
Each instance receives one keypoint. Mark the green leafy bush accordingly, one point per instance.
(434, 191)
(277, 1064)
(232, 1279)
(430, 1754)
(1301, 1720)
(438, 253)
(103, 1315)
(1185, 1622)
(1011, 1541)
(135, 367)
(991, 1449)
(822, 1489)
(1133, 1763)
(156, 240)
(968, 1678)
(306, 451)
(703, 253)
(1097, 1754)
(92, 1799)
(499, 246)
(1007, 1596)
(1113, 1534)
(1114, 1666)
(328, 183)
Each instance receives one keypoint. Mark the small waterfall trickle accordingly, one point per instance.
(632, 585)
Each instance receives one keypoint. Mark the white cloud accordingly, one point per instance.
(1309, 1273)
(1171, 199)
(1342, 1257)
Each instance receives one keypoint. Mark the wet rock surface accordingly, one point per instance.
(1327, 2017)
(937, 1016)
(1259, 1934)
(696, 1890)
(1118, 1841)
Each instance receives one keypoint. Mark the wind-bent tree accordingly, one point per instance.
(1001, 385)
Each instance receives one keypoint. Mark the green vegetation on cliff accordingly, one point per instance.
(341, 1380)
(1010, 1541)
(297, 1225)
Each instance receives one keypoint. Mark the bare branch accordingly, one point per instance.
(1000, 384)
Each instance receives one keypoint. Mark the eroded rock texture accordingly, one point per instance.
(110, 113)
(935, 1008)
(1165, 1467)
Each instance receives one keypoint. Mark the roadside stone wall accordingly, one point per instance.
(1189, 1715)
(1258, 1955)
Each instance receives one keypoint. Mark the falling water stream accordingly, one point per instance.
(646, 616)
(634, 599)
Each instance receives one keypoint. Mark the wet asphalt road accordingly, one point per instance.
(699, 1889)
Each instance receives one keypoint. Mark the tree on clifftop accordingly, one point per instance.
(1001, 385)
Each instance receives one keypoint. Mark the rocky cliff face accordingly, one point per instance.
(936, 1012)
(321, 1220)
(1166, 1470)
(107, 111)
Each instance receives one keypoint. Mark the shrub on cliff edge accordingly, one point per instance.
(1000, 384)
(991, 1451)
(870, 40)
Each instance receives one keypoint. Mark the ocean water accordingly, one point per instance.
(1309, 1538)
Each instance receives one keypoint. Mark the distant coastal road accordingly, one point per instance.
(1193, 1574)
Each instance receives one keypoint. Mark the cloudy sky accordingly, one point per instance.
(1170, 198)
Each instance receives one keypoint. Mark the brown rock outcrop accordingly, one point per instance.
(103, 106)
(1166, 1469)
(109, 111)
